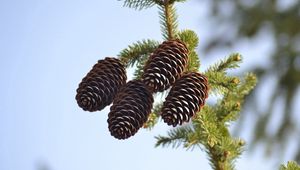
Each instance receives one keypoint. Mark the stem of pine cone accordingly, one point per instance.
(168, 22)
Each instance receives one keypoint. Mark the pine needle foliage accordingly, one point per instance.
(230, 62)
(168, 20)
(291, 165)
(175, 137)
(139, 4)
(209, 129)
(191, 40)
(137, 52)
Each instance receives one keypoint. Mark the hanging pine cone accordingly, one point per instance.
(165, 65)
(130, 109)
(99, 87)
(185, 98)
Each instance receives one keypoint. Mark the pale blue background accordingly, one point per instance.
(46, 47)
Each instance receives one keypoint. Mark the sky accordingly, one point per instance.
(46, 47)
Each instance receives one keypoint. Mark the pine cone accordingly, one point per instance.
(130, 109)
(165, 65)
(185, 99)
(99, 87)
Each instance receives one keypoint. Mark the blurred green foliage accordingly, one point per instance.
(281, 20)
(290, 166)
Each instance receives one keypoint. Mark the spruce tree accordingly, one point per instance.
(171, 68)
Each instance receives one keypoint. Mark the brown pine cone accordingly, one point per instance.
(130, 109)
(99, 87)
(165, 65)
(185, 99)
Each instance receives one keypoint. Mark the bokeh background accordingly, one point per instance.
(47, 46)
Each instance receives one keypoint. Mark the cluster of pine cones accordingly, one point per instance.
(133, 100)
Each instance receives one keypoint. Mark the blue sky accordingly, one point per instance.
(46, 47)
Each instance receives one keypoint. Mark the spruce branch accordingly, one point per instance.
(222, 156)
(140, 67)
(247, 85)
(214, 135)
(220, 83)
(191, 40)
(168, 20)
(228, 63)
(134, 53)
(208, 131)
(291, 165)
(138, 4)
(175, 137)
(193, 62)
(145, 4)
(210, 126)
(230, 105)
(189, 37)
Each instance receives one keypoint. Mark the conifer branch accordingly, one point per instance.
(168, 20)
(140, 67)
(228, 63)
(134, 53)
(193, 62)
(138, 4)
(209, 126)
(220, 83)
(214, 135)
(291, 165)
(230, 105)
(214, 159)
(222, 156)
(191, 40)
(175, 137)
